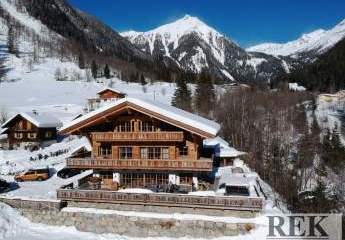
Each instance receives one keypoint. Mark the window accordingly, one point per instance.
(32, 135)
(143, 153)
(125, 152)
(48, 134)
(105, 150)
(165, 153)
(18, 135)
(154, 152)
(184, 151)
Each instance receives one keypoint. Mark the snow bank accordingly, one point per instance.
(135, 190)
(296, 87)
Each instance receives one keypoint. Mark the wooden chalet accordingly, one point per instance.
(141, 143)
(105, 95)
(31, 129)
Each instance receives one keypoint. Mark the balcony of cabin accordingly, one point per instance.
(138, 136)
(200, 165)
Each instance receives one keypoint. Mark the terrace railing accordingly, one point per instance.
(137, 136)
(169, 200)
(155, 164)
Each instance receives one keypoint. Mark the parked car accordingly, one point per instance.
(33, 175)
(67, 172)
(4, 186)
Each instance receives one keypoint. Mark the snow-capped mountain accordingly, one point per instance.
(308, 45)
(193, 45)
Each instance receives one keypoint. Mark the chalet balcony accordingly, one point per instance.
(138, 136)
(146, 164)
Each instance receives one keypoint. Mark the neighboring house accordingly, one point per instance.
(31, 129)
(224, 155)
(104, 96)
(143, 143)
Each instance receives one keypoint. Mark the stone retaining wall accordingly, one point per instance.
(137, 226)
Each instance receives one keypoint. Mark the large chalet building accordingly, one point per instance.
(31, 130)
(143, 143)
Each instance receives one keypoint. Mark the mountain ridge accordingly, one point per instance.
(313, 43)
(194, 46)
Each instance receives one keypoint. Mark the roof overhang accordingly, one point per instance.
(93, 118)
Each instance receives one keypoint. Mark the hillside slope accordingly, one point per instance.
(326, 74)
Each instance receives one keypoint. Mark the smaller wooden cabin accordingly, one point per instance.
(224, 154)
(31, 130)
(105, 95)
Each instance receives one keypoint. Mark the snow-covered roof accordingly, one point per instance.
(41, 120)
(3, 130)
(222, 148)
(86, 147)
(111, 89)
(167, 111)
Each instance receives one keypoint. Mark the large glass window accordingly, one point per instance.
(165, 153)
(144, 153)
(125, 152)
(154, 153)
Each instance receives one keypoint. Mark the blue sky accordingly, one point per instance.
(247, 22)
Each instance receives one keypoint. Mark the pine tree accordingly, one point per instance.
(94, 69)
(205, 97)
(12, 43)
(182, 97)
(142, 80)
(333, 151)
(106, 72)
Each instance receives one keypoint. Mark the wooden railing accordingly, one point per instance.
(37, 204)
(156, 199)
(138, 136)
(95, 163)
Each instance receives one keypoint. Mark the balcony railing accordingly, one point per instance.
(156, 199)
(138, 136)
(157, 164)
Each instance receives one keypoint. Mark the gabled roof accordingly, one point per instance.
(112, 90)
(41, 120)
(172, 115)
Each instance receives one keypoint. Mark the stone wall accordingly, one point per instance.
(137, 226)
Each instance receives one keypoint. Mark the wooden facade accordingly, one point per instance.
(21, 131)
